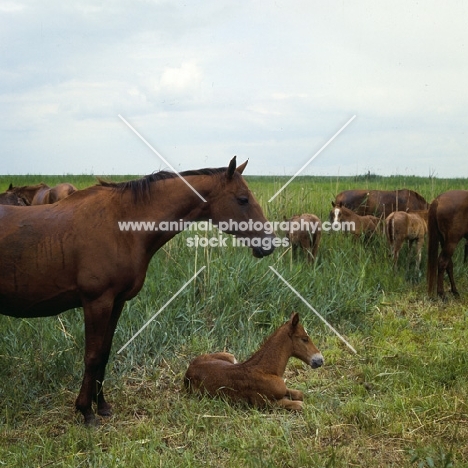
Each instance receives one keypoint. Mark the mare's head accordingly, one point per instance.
(29, 192)
(234, 209)
(302, 346)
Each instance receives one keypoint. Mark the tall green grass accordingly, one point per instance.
(401, 401)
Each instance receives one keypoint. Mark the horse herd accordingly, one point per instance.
(61, 249)
(405, 216)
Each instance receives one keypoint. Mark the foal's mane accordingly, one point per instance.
(140, 187)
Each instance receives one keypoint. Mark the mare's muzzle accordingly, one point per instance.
(267, 247)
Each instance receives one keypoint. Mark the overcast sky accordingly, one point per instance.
(202, 81)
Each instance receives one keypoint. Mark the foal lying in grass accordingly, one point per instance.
(258, 380)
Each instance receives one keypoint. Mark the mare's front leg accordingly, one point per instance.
(98, 325)
(104, 408)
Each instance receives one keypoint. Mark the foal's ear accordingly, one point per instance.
(333, 204)
(294, 319)
(10, 186)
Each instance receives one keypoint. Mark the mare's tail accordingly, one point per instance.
(433, 248)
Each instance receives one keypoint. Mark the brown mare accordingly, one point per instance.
(74, 254)
(401, 226)
(447, 226)
(350, 221)
(304, 233)
(381, 202)
(42, 194)
(10, 198)
(258, 380)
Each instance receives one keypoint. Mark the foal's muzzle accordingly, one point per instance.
(316, 361)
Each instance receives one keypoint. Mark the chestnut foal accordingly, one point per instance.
(258, 380)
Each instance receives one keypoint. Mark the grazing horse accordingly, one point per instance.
(401, 226)
(82, 251)
(258, 380)
(42, 194)
(350, 221)
(10, 198)
(304, 232)
(381, 202)
(447, 225)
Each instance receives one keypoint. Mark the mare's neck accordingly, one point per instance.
(173, 200)
(274, 354)
(170, 204)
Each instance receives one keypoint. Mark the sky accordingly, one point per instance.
(202, 81)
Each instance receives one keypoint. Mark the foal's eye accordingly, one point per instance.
(242, 200)
(305, 339)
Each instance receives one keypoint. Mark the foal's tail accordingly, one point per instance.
(433, 248)
(389, 229)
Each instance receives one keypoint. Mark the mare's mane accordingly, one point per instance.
(140, 187)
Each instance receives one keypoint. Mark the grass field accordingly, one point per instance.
(401, 401)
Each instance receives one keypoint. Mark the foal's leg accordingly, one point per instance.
(419, 246)
(293, 405)
(224, 357)
(294, 394)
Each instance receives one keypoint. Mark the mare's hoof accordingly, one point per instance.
(105, 411)
(91, 421)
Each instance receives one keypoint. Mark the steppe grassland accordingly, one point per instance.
(401, 401)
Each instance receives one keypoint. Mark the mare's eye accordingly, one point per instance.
(242, 200)
(305, 339)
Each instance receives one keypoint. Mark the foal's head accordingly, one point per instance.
(336, 213)
(303, 348)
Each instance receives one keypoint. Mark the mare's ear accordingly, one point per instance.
(241, 168)
(294, 319)
(231, 168)
(10, 187)
(333, 204)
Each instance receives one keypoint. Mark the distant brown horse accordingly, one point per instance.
(258, 380)
(349, 221)
(10, 198)
(401, 226)
(83, 252)
(381, 203)
(42, 194)
(304, 233)
(447, 225)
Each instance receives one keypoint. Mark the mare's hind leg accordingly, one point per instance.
(453, 288)
(445, 264)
